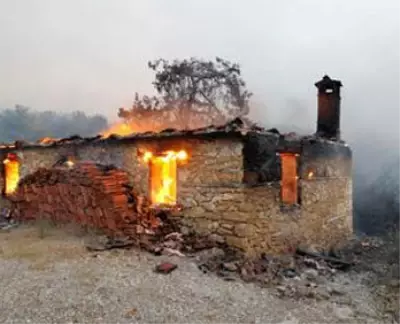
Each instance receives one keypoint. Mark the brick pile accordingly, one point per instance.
(88, 194)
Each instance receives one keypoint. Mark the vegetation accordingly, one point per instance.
(22, 123)
(190, 93)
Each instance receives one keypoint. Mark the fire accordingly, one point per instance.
(47, 140)
(70, 163)
(310, 175)
(163, 173)
(182, 155)
(11, 170)
(147, 156)
(121, 129)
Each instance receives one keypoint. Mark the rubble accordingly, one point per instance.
(6, 222)
(165, 268)
(334, 261)
(394, 283)
(88, 194)
(107, 243)
(300, 276)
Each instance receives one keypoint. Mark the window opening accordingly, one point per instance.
(163, 176)
(289, 179)
(11, 173)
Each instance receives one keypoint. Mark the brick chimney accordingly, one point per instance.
(328, 124)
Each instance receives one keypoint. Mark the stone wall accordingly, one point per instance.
(253, 218)
(215, 199)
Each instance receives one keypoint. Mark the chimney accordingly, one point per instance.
(328, 124)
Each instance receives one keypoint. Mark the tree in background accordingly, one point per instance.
(190, 93)
(21, 123)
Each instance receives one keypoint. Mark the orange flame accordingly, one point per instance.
(11, 169)
(47, 140)
(163, 175)
(121, 129)
(147, 156)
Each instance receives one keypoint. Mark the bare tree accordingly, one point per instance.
(190, 93)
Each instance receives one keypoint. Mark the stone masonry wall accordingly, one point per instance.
(215, 200)
(211, 162)
(253, 218)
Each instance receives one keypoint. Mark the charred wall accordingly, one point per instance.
(326, 159)
(261, 162)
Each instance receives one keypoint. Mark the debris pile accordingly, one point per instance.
(303, 274)
(6, 222)
(88, 194)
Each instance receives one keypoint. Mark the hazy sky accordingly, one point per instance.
(91, 55)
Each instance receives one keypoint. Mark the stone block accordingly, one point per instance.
(213, 226)
(197, 211)
(227, 226)
(238, 242)
(225, 231)
(235, 216)
(245, 230)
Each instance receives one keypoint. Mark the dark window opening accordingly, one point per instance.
(261, 163)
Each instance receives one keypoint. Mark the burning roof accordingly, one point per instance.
(237, 127)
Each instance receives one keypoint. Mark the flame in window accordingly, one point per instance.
(11, 171)
(163, 176)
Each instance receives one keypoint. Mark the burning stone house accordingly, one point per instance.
(260, 190)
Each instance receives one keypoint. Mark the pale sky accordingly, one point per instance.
(92, 55)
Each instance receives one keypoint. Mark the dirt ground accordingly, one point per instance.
(48, 276)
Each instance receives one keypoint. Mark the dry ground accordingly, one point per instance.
(48, 277)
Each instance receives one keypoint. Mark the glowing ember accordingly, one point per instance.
(121, 129)
(163, 171)
(181, 155)
(310, 175)
(11, 170)
(147, 156)
(70, 163)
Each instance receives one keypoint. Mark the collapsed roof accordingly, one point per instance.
(237, 127)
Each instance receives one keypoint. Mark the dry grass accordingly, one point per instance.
(41, 244)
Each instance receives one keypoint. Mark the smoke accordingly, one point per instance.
(22, 123)
(283, 47)
(370, 125)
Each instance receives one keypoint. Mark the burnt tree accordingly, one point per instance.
(190, 93)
